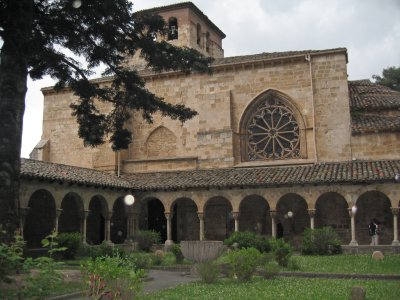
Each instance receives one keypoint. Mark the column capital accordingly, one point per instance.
(58, 211)
(311, 212)
(352, 213)
(395, 210)
(109, 215)
(24, 211)
(168, 215)
(236, 215)
(273, 213)
(200, 215)
(86, 213)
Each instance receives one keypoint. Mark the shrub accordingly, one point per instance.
(72, 241)
(112, 278)
(282, 251)
(270, 269)
(244, 262)
(176, 251)
(146, 239)
(104, 249)
(10, 256)
(158, 257)
(140, 260)
(208, 271)
(246, 239)
(321, 241)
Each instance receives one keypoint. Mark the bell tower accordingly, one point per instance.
(189, 27)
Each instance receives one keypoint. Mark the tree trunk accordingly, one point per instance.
(13, 86)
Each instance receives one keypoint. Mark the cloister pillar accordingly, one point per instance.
(131, 222)
(23, 212)
(236, 216)
(108, 227)
(84, 219)
(201, 218)
(352, 213)
(395, 212)
(58, 213)
(169, 216)
(311, 213)
(272, 213)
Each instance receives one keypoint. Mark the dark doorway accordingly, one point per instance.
(119, 222)
(96, 221)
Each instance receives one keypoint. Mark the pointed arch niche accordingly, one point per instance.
(161, 143)
(272, 128)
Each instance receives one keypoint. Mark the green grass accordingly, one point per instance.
(349, 264)
(280, 288)
(10, 292)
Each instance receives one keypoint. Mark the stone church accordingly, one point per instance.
(281, 139)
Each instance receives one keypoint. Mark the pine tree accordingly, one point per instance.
(52, 37)
(390, 78)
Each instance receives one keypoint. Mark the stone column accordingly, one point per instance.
(311, 213)
(236, 216)
(58, 213)
(353, 241)
(272, 213)
(108, 227)
(23, 212)
(84, 217)
(201, 218)
(131, 219)
(169, 216)
(395, 212)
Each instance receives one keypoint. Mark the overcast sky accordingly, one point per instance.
(369, 29)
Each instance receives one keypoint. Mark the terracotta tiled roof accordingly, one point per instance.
(35, 169)
(271, 55)
(318, 174)
(367, 96)
(374, 123)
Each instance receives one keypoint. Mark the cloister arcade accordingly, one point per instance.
(101, 214)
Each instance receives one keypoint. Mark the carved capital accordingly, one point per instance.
(168, 216)
(58, 212)
(395, 210)
(24, 211)
(236, 215)
(272, 213)
(201, 216)
(311, 212)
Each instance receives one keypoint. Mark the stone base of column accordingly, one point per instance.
(353, 243)
(168, 244)
(396, 243)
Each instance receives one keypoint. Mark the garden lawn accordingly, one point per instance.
(349, 264)
(280, 288)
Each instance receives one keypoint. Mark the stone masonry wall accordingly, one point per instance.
(212, 137)
(331, 107)
(375, 146)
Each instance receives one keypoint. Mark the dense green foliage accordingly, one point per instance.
(72, 241)
(282, 251)
(10, 256)
(104, 249)
(112, 277)
(390, 78)
(321, 241)
(208, 271)
(246, 239)
(243, 263)
(146, 239)
(176, 250)
(280, 288)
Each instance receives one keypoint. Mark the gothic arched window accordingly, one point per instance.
(271, 130)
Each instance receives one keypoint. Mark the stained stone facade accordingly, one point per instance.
(280, 137)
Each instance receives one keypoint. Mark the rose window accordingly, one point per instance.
(272, 132)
